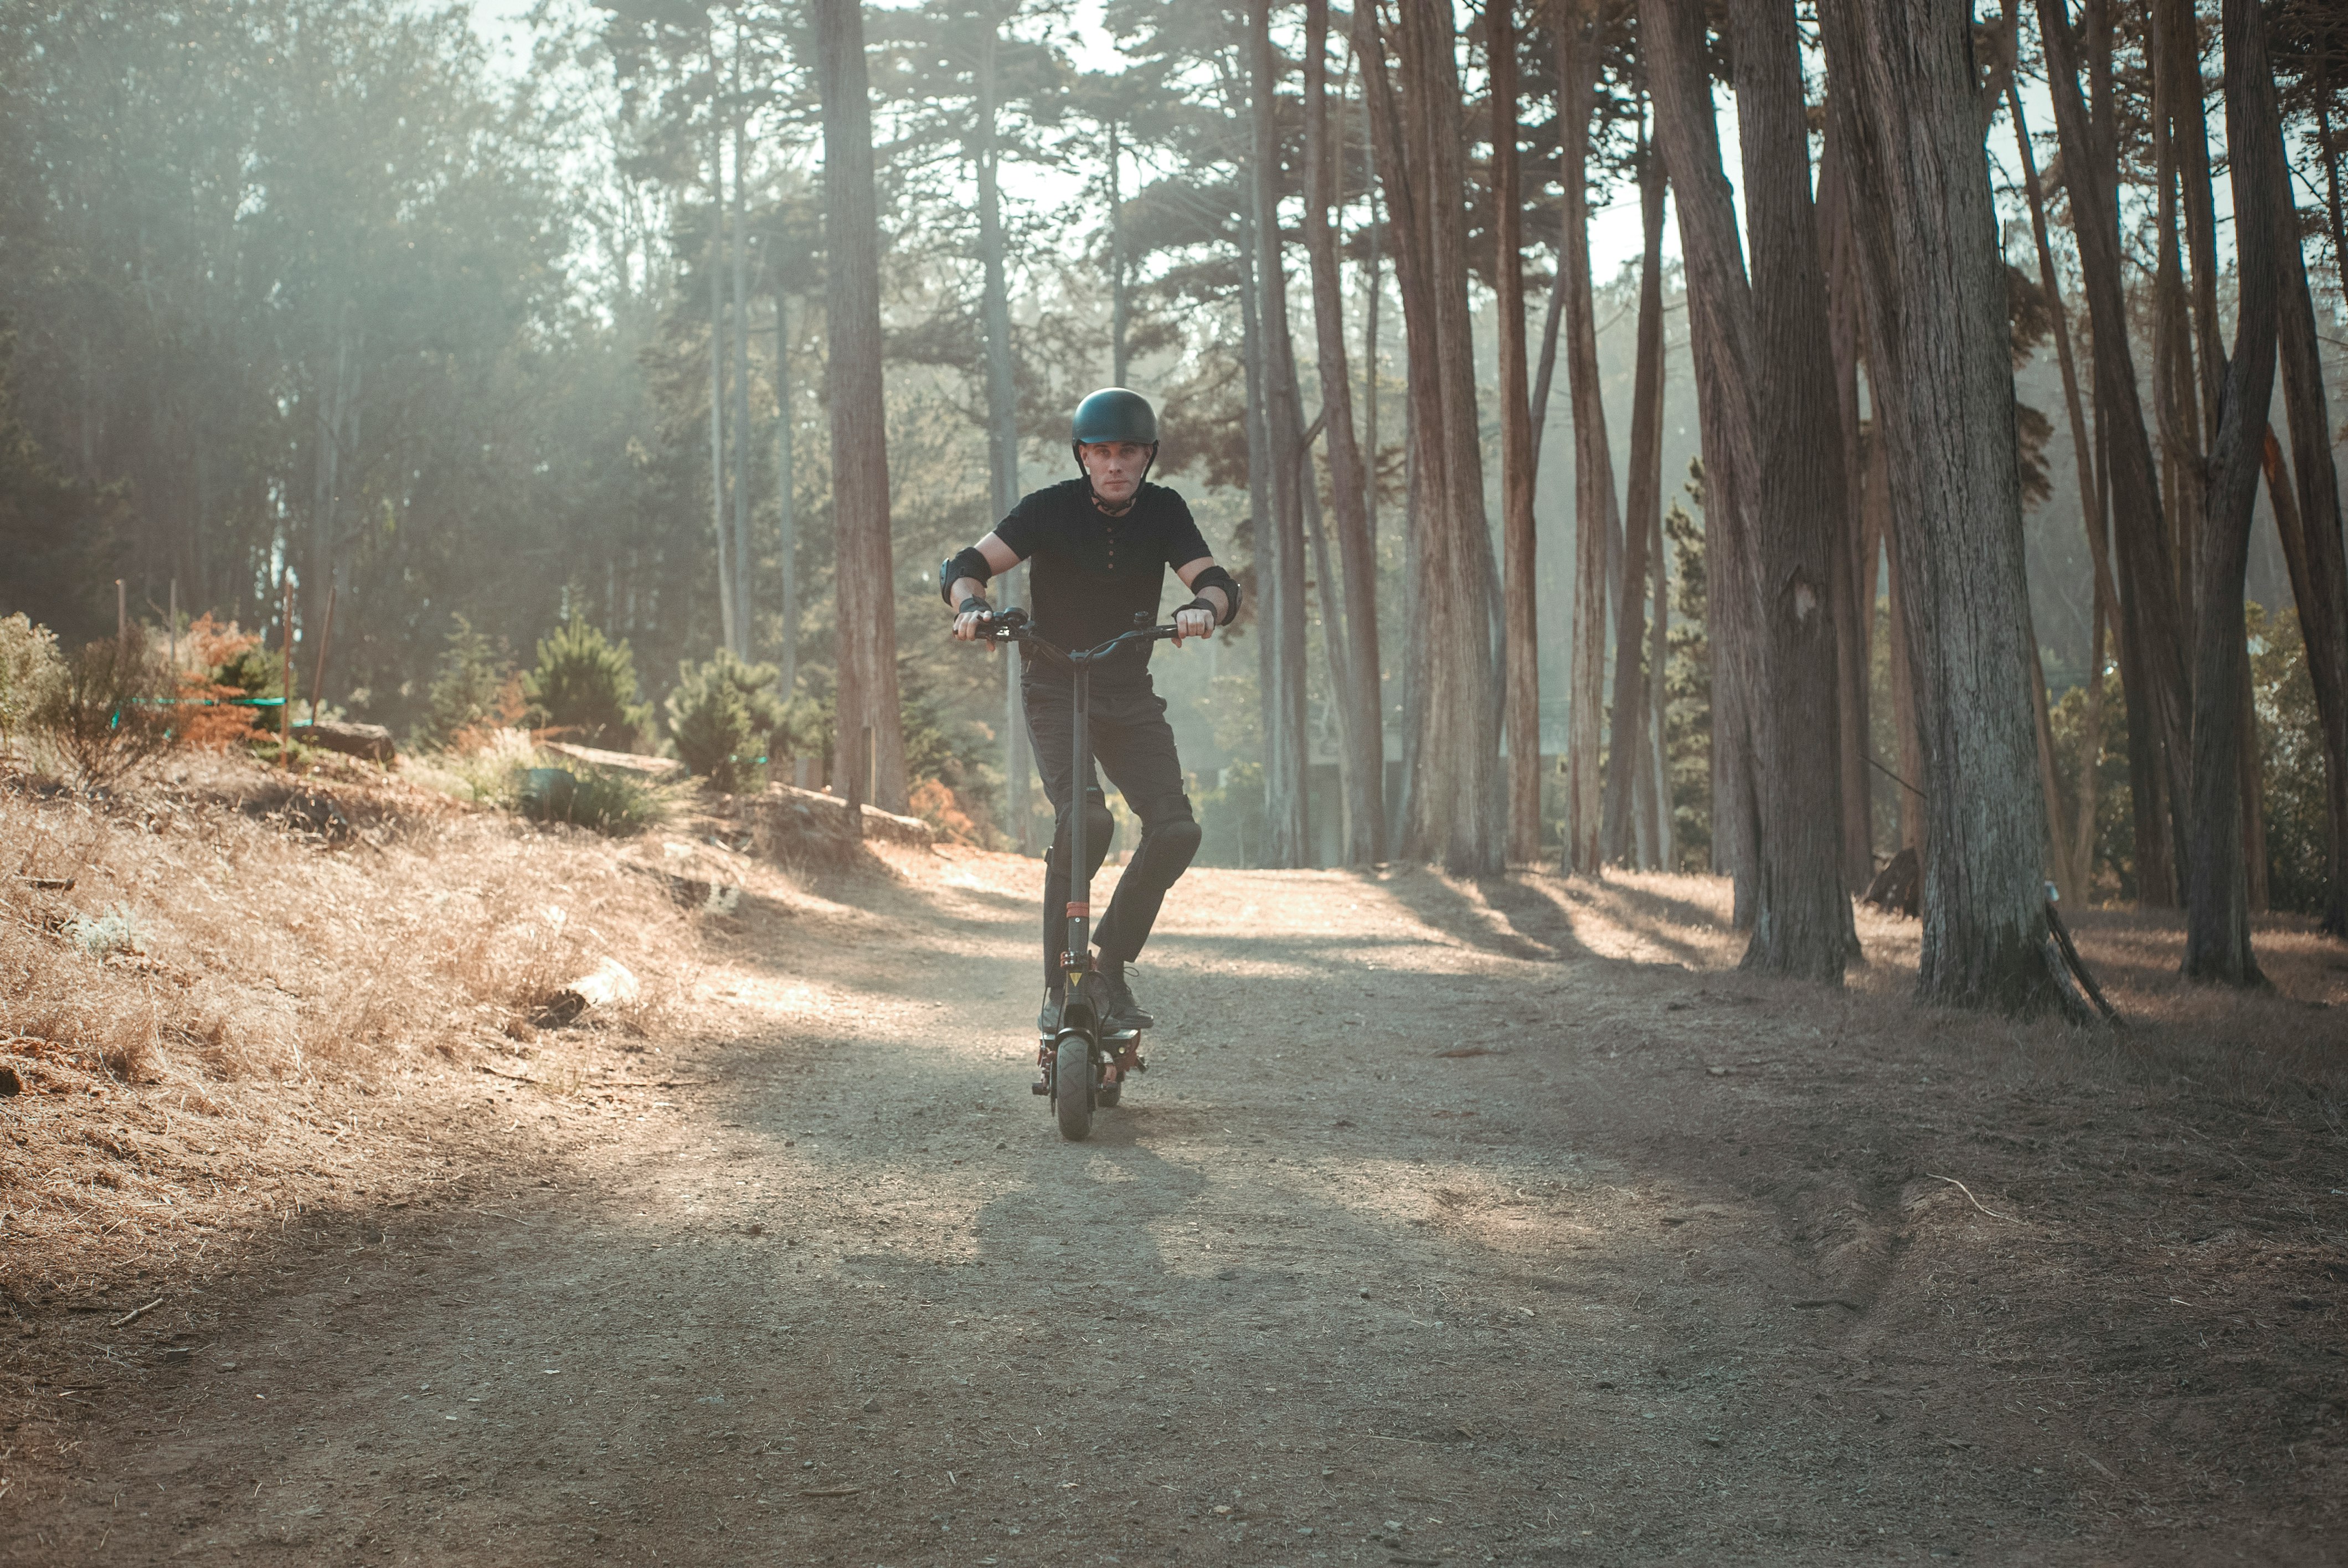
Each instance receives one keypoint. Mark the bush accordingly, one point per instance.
(106, 712)
(218, 666)
(29, 667)
(2291, 764)
(474, 691)
(585, 686)
(723, 716)
(608, 802)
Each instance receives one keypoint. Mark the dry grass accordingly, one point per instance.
(257, 984)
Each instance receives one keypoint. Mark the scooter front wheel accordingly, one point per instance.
(1072, 1087)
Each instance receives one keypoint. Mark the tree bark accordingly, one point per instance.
(2080, 873)
(1456, 806)
(1720, 338)
(787, 545)
(2217, 890)
(1595, 518)
(866, 586)
(1910, 119)
(1118, 304)
(1281, 549)
(1804, 925)
(1854, 614)
(1627, 751)
(2152, 640)
(1002, 413)
(1520, 592)
(1658, 768)
(2324, 599)
(1349, 479)
(722, 535)
(738, 248)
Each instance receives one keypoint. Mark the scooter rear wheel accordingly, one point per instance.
(1072, 1087)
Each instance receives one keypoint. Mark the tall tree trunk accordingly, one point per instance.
(2081, 872)
(738, 248)
(1626, 752)
(2217, 891)
(1287, 774)
(1117, 291)
(787, 544)
(1659, 652)
(1910, 120)
(727, 602)
(1519, 592)
(1804, 926)
(1002, 415)
(1720, 332)
(1455, 814)
(1366, 836)
(1854, 611)
(868, 696)
(2151, 645)
(2319, 587)
(1908, 739)
(1595, 518)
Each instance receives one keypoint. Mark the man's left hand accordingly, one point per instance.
(1192, 621)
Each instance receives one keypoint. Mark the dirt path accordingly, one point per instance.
(1433, 1236)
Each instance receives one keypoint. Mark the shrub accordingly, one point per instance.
(601, 799)
(473, 692)
(104, 714)
(2292, 762)
(217, 665)
(29, 668)
(722, 716)
(585, 685)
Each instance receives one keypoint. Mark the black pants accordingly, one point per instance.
(1134, 746)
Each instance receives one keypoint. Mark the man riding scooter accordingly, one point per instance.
(1100, 544)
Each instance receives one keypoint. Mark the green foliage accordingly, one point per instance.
(2111, 876)
(723, 716)
(585, 686)
(1687, 687)
(956, 752)
(29, 667)
(603, 799)
(105, 713)
(1230, 819)
(467, 689)
(2290, 763)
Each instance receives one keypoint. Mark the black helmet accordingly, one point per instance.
(1113, 414)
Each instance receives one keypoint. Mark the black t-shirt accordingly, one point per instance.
(1092, 573)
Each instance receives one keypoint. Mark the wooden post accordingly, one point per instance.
(325, 640)
(172, 632)
(121, 612)
(285, 684)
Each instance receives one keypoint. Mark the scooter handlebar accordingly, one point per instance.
(1011, 625)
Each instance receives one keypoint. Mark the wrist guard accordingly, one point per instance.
(969, 563)
(977, 601)
(1216, 577)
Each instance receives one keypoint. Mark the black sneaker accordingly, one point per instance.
(1116, 1000)
(1047, 1021)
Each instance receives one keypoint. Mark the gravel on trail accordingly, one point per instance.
(1440, 1231)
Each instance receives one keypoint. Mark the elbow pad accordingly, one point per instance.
(969, 563)
(1216, 577)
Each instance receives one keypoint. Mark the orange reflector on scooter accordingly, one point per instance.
(1076, 910)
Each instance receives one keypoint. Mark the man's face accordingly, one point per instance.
(1115, 468)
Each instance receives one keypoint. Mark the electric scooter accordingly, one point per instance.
(1086, 1063)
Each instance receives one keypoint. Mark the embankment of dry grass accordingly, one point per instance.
(259, 991)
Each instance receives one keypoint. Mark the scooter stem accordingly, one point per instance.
(1077, 959)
